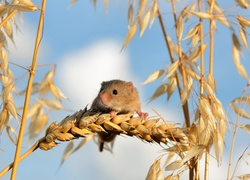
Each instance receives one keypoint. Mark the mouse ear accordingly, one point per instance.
(103, 82)
(130, 86)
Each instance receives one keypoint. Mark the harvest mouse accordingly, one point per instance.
(116, 96)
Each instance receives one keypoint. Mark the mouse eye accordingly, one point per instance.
(101, 89)
(115, 92)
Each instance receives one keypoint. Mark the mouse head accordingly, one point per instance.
(117, 94)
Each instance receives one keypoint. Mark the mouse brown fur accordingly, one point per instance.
(116, 97)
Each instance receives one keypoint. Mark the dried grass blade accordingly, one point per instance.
(202, 15)
(129, 36)
(196, 150)
(221, 18)
(179, 28)
(4, 119)
(243, 21)
(184, 11)
(211, 81)
(171, 87)
(236, 42)
(9, 31)
(192, 7)
(244, 177)
(153, 13)
(130, 15)
(152, 173)
(159, 91)
(193, 31)
(193, 74)
(52, 104)
(154, 76)
(142, 6)
(174, 165)
(68, 151)
(243, 38)
(243, 3)
(218, 146)
(172, 69)
(58, 94)
(144, 23)
(10, 105)
(83, 142)
(23, 5)
(34, 109)
(240, 68)
(240, 112)
(10, 130)
(245, 127)
(37, 126)
(187, 90)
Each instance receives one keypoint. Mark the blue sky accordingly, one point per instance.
(85, 44)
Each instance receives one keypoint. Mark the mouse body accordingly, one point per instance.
(116, 97)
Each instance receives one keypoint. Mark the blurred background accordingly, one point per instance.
(84, 42)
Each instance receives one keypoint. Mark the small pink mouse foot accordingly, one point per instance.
(142, 115)
(113, 113)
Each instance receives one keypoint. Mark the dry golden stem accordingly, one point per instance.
(26, 154)
(201, 63)
(174, 11)
(211, 54)
(207, 164)
(211, 32)
(238, 161)
(232, 147)
(185, 106)
(201, 50)
(8, 17)
(236, 127)
(28, 92)
(197, 174)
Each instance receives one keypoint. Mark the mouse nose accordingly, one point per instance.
(105, 98)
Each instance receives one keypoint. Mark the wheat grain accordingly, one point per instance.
(84, 123)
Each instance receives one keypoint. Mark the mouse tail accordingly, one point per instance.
(101, 146)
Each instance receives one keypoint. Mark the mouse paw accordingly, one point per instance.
(113, 113)
(143, 115)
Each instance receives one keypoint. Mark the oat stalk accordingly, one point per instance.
(211, 54)
(28, 92)
(185, 105)
(236, 127)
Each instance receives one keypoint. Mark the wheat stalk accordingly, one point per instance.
(28, 91)
(84, 123)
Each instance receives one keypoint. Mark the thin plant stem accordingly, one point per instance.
(185, 105)
(211, 55)
(238, 161)
(201, 66)
(174, 11)
(197, 174)
(201, 54)
(184, 78)
(232, 147)
(236, 127)
(26, 154)
(207, 164)
(28, 92)
(211, 32)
